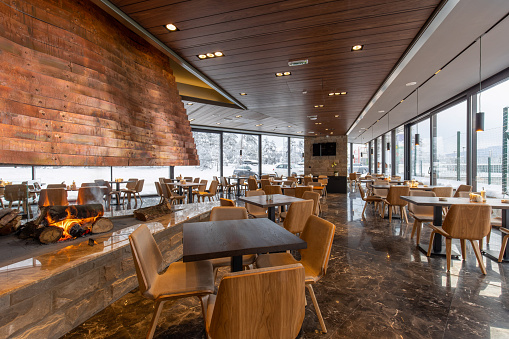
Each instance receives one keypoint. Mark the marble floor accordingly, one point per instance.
(378, 285)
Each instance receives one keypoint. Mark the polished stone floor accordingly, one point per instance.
(378, 285)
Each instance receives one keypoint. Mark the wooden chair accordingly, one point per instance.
(393, 200)
(255, 211)
(465, 222)
(352, 178)
(196, 180)
(319, 234)
(53, 197)
(322, 179)
(56, 186)
(137, 190)
(211, 194)
(420, 213)
(226, 202)
(2, 190)
(170, 285)
(265, 182)
(17, 193)
(462, 188)
(443, 191)
(188, 179)
(307, 180)
(261, 303)
(174, 197)
(109, 190)
(90, 195)
(316, 201)
(368, 199)
(273, 189)
(252, 185)
(265, 176)
(227, 186)
(160, 192)
(201, 188)
(299, 191)
(505, 238)
(297, 215)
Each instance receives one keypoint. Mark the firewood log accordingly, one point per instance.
(152, 212)
(50, 234)
(102, 225)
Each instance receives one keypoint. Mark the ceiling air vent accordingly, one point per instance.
(298, 62)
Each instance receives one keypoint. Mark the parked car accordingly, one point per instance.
(362, 169)
(282, 169)
(245, 171)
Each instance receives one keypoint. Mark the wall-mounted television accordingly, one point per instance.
(324, 149)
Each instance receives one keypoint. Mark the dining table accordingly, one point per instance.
(189, 186)
(237, 183)
(439, 203)
(270, 202)
(235, 238)
(420, 187)
(117, 187)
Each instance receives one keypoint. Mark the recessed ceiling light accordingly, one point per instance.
(299, 132)
(238, 116)
(210, 55)
(311, 132)
(326, 129)
(218, 123)
(279, 74)
(259, 125)
(202, 56)
(437, 72)
(363, 127)
(357, 47)
(336, 116)
(318, 106)
(343, 93)
(402, 101)
(218, 54)
(191, 119)
(331, 132)
(190, 103)
(171, 27)
(411, 83)
(337, 93)
(243, 93)
(382, 111)
(287, 73)
(289, 126)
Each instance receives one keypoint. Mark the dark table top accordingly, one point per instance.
(189, 184)
(434, 201)
(422, 188)
(277, 200)
(219, 239)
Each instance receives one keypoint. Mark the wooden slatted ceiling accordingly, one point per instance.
(259, 37)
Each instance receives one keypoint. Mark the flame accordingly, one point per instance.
(70, 221)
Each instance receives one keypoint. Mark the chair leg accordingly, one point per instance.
(390, 213)
(431, 238)
(477, 252)
(502, 249)
(362, 214)
(317, 308)
(448, 245)
(403, 209)
(488, 238)
(155, 318)
(463, 249)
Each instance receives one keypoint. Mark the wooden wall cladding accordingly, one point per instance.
(78, 88)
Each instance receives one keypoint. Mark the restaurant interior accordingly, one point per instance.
(254, 169)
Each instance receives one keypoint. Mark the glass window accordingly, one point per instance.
(492, 150)
(274, 154)
(150, 174)
(297, 156)
(387, 148)
(372, 164)
(450, 145)
(70, 174)
(379, 155)
(360, 158)
(400, 151)
(420, 154)
(208, 148)
(238, 150)
(16, 174)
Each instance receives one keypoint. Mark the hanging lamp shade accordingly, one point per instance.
(479, 122)
(388, 146)
(417, 139)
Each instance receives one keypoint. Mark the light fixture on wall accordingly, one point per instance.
(417, 136)
(362, 155)
(240, 152)
(479, 116)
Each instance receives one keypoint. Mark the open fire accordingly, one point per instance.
(73, 226)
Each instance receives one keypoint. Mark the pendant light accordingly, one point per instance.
(388, 143)
(417, 136)
(479, 116)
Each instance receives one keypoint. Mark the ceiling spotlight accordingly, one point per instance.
(218, 123)
(412, 83)
(171, 27)
(210, 55)
(402, 101)
(331, 132)
(311, 132)
(343, 93)
(279, 74)
(304, 92)
(437, 72)
(318, 106)
(299, 132)
(287, 73)
(238, 116)
(218, 54)
(259, 125)
(190, 103)
(330, 94)
(337, 93)
(191, 119)
(357, 47)
(289, 126)
(336, 116)
(243, 93)
(326, 129)
(381, 111)
(202, 56)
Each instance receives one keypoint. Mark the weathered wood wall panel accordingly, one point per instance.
(78, 88)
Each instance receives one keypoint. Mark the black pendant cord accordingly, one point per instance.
(480, 74)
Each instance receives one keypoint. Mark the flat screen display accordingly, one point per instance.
(324, 149)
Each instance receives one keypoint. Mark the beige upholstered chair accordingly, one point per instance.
(264, 182)
(318, 187)
(17, 193)
(299, 191)
(420, 213)
(462, 188)
(316, 199)
(393, 200)
(324, 181)
(443, 191)
(465, 222)
(256, 211)
(56, 186)
(196, 180)
(297, 215)
(211, 194)
(227, 186)
(137, 190)
(188, 179)
(265, 176)
(319, 235)
(252, 185)
(90, 195)
(180, 280)
(273, 189)
(226, 202)
(380, 192)
(368, 199)
(201, 188)
(53, 197)
(173, 196)
(261, 303)
(160, 192)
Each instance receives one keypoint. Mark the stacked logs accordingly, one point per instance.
(10, 220)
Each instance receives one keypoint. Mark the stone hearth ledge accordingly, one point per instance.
(48, 295)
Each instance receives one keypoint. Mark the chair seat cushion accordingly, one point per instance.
(223, 262)
(258, 215)
(422, 217)
(282, 259)
(180, 278)
(497, 222)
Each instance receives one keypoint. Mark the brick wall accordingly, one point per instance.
(78, 88)
(323, 165)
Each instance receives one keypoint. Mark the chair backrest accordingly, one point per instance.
(169, 191)
(315, 184)
(131, 184)
(265, 176)
(462, 195)
(463, 188)
(260, 303)
(56, 186)
(264, 182)
(188, 179)
(89, 184)
(15, 192)
(297, 215)
(323, 181)
(228, 213)
(252, 208)
(147, 259)
(361, 191)
(213, 187)
(226, 202)
(468, 221)
(352, 176)
(90, 195)
(139, 186)
(251, 184)
(299, 191)
(307, 180)
(415, 209)
(196, 180)
(319, 234)
(273, 189)
(395, 192)
(53, 197)
(159, 189)
(164, 188)
(443, 191)
(316, 200)
(203, 185)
